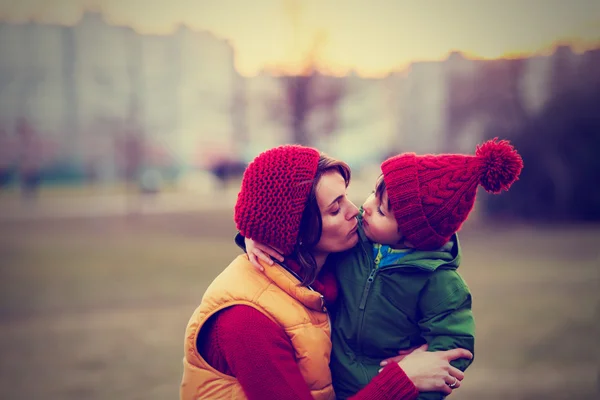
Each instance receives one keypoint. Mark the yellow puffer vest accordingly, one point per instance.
(298, 310)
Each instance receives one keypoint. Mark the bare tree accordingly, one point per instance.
(307, 91)
(491, 94)
(30, 158)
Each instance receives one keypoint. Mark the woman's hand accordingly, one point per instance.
(401, 355)
(431, 371)
(257, 250)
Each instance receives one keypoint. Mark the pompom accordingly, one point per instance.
(500, 165)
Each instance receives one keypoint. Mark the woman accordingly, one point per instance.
(267, 335)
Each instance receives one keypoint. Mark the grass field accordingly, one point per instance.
(96, 308)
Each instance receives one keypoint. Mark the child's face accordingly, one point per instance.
(379, 223)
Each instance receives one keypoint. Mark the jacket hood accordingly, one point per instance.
(446, 257)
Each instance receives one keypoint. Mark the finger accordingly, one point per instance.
(457, 373)
(452, 382)
(271, 251)
(395, 359)
(404, 353)
(443, 387)
(421, 348)
(264, 257)
(454, 354)
(255, 262)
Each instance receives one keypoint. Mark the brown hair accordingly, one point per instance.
(379, 189)
(311, 224)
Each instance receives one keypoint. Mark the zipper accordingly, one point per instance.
(370, 279)
(363, 300)
(361, 307)
(323, 307)
(366, 290)
(326, 311)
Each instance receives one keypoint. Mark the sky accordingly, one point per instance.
(370, 37)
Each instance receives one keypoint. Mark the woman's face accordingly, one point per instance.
(338, 215)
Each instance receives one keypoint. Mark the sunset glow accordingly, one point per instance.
(370, 37)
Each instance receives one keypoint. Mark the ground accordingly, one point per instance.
(96, 308)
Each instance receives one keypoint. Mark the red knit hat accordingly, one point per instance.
(432, 195)
(274, 192)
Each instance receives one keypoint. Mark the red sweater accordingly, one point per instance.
(241, 341)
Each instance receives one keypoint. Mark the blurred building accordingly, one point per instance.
(267, 114)
(423, 107)
(438, 106)
(87, 89)
(85, 86)
(32, 78)
(536, 83)
(208, 85)
(362, 127)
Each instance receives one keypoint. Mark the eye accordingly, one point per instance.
(336, 212)
(379, 210)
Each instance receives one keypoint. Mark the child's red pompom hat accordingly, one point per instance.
(432, 195)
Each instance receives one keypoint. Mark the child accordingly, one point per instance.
(399, 287)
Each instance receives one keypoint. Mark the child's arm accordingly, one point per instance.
(446, 318)
(257, 250)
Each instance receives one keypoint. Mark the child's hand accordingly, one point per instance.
(256, 250)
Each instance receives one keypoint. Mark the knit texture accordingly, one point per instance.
(432, 195)
(273, 195)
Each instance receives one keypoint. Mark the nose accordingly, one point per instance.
(353, 211)
(367, 204)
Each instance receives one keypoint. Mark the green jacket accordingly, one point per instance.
(379, 311)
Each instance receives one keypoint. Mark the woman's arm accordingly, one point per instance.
(390, 383)
(242, 342)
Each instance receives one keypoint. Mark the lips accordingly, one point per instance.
(353, 230)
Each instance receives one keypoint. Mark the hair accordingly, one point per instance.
(379, 189)
(311, 224)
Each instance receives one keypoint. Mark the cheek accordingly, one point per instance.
(383, 229)
(330, 230)
(392, 233)
(334, 229)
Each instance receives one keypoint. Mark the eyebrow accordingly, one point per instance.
(335, 200)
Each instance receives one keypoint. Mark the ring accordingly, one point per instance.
(453, 383)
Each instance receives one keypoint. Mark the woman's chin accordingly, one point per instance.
(353, 240)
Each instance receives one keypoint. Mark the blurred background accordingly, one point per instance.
(125, 127)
